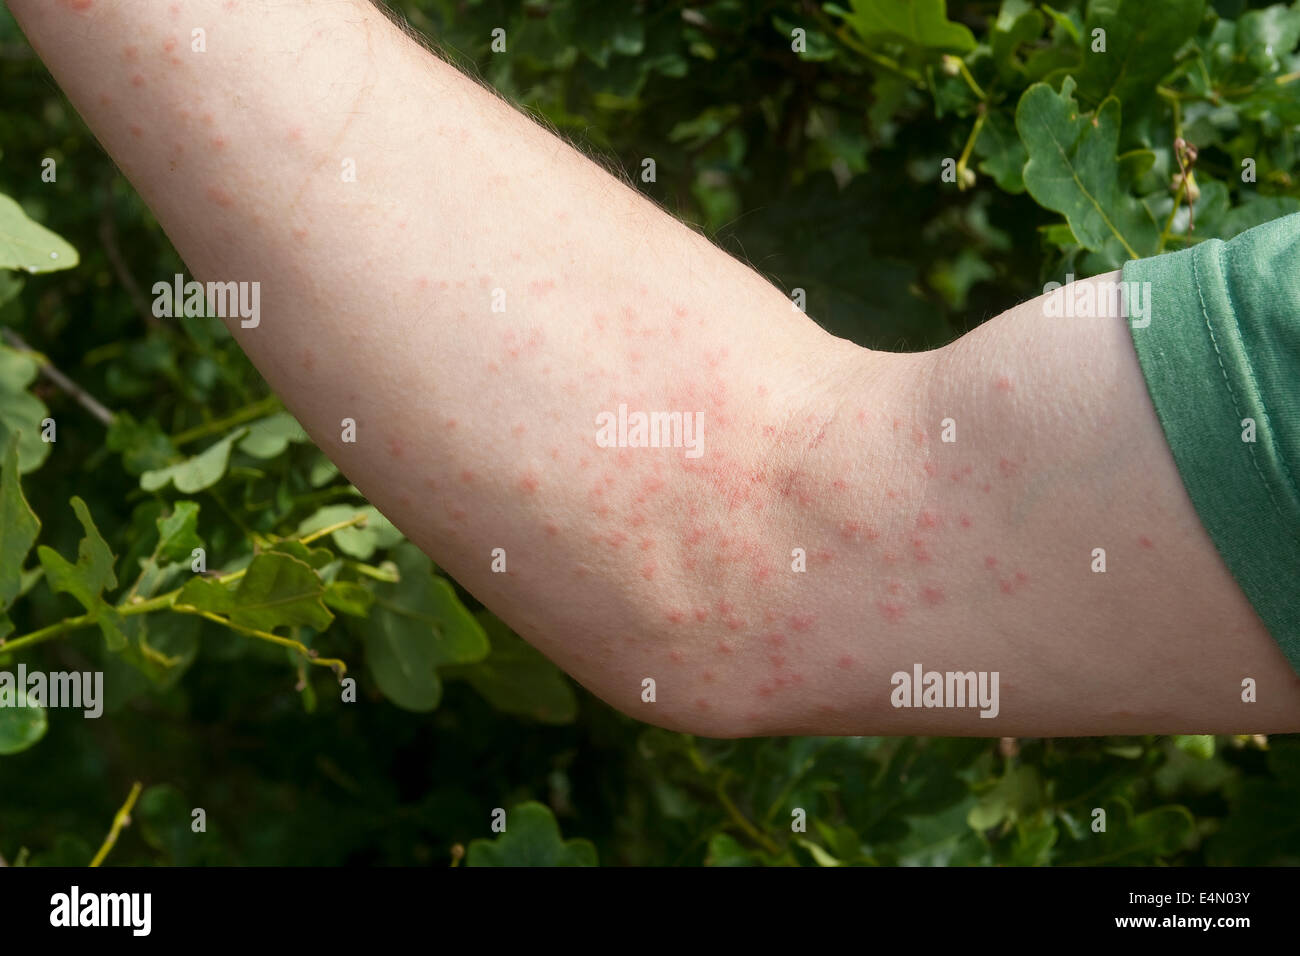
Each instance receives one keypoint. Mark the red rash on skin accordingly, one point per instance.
(136, 131)
(724, 647)
(137, 80)
(219, 196)
(299, 234)
(1003, 384)
(891, 611)
(932, 594)
(677, 657)
(845, 663)
(990, 562)
(79, 6)
(1146, 542)
(529, 484)
(308, 360)
(675, 616)
(701, 703)
(648, 570)
(965, 521)
(927, 520)
(466, 476)
(130, 53)
(1008, 468)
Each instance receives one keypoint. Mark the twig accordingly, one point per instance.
(83, 398)
(108, 238)
(123, 819)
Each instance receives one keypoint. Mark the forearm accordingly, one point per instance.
(476, 429)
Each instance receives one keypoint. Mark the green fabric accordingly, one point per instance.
(1223, 345)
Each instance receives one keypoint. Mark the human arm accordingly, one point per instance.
(476, 429)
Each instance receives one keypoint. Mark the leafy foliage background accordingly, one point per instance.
(823, 167)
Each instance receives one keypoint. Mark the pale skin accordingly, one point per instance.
(476, 429)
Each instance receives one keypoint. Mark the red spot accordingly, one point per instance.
(927, 520)
(986, 488)
(136, 130)
(1005, 585)
(735, 623)
(308, 361)
(80, 6)
(1021, 577)
(845, 662)
(219, 196)
(891, 611)
(137, 80)
(1008, 468)
(965, 521)
(299, 234)
(169, 44)
(395, 447)
(677, 656)
(105, 99)
(701, 703)
(802, 622)
(724, 647)
(701, 614)
(894, 586)
(932, 594)
(707, 677)
(131, 53)
(529, 484)
(647, 544)
(775, 639)
(1146, 542)
(777, 660)
(1003, 384)
(796, 678)
(990, 561)
(648, 570)
(451, 423)
(765, 690)
(466, 475)
(675, 616)
(931, 468)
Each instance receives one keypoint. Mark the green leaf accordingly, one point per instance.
(21, 724)
(29, 246)
(1002, 154)
(532, 838)
(1265, 37)
(19, 526)
(921, 24)
(1141, 40)
(1072, 169)
(726, 850)
(348, 597)
(143, 446)
(516, 678)
(277, 590)
(269, 437)
(417, 626)
(1131, 837)
(357, 541)
(1017, 24)
(194, 474)
(1200, 746)
(178, 533)
(21, 412)
(89, 578)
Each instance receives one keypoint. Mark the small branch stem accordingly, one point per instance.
(121, 820)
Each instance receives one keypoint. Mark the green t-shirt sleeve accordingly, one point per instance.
(1219, 347)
